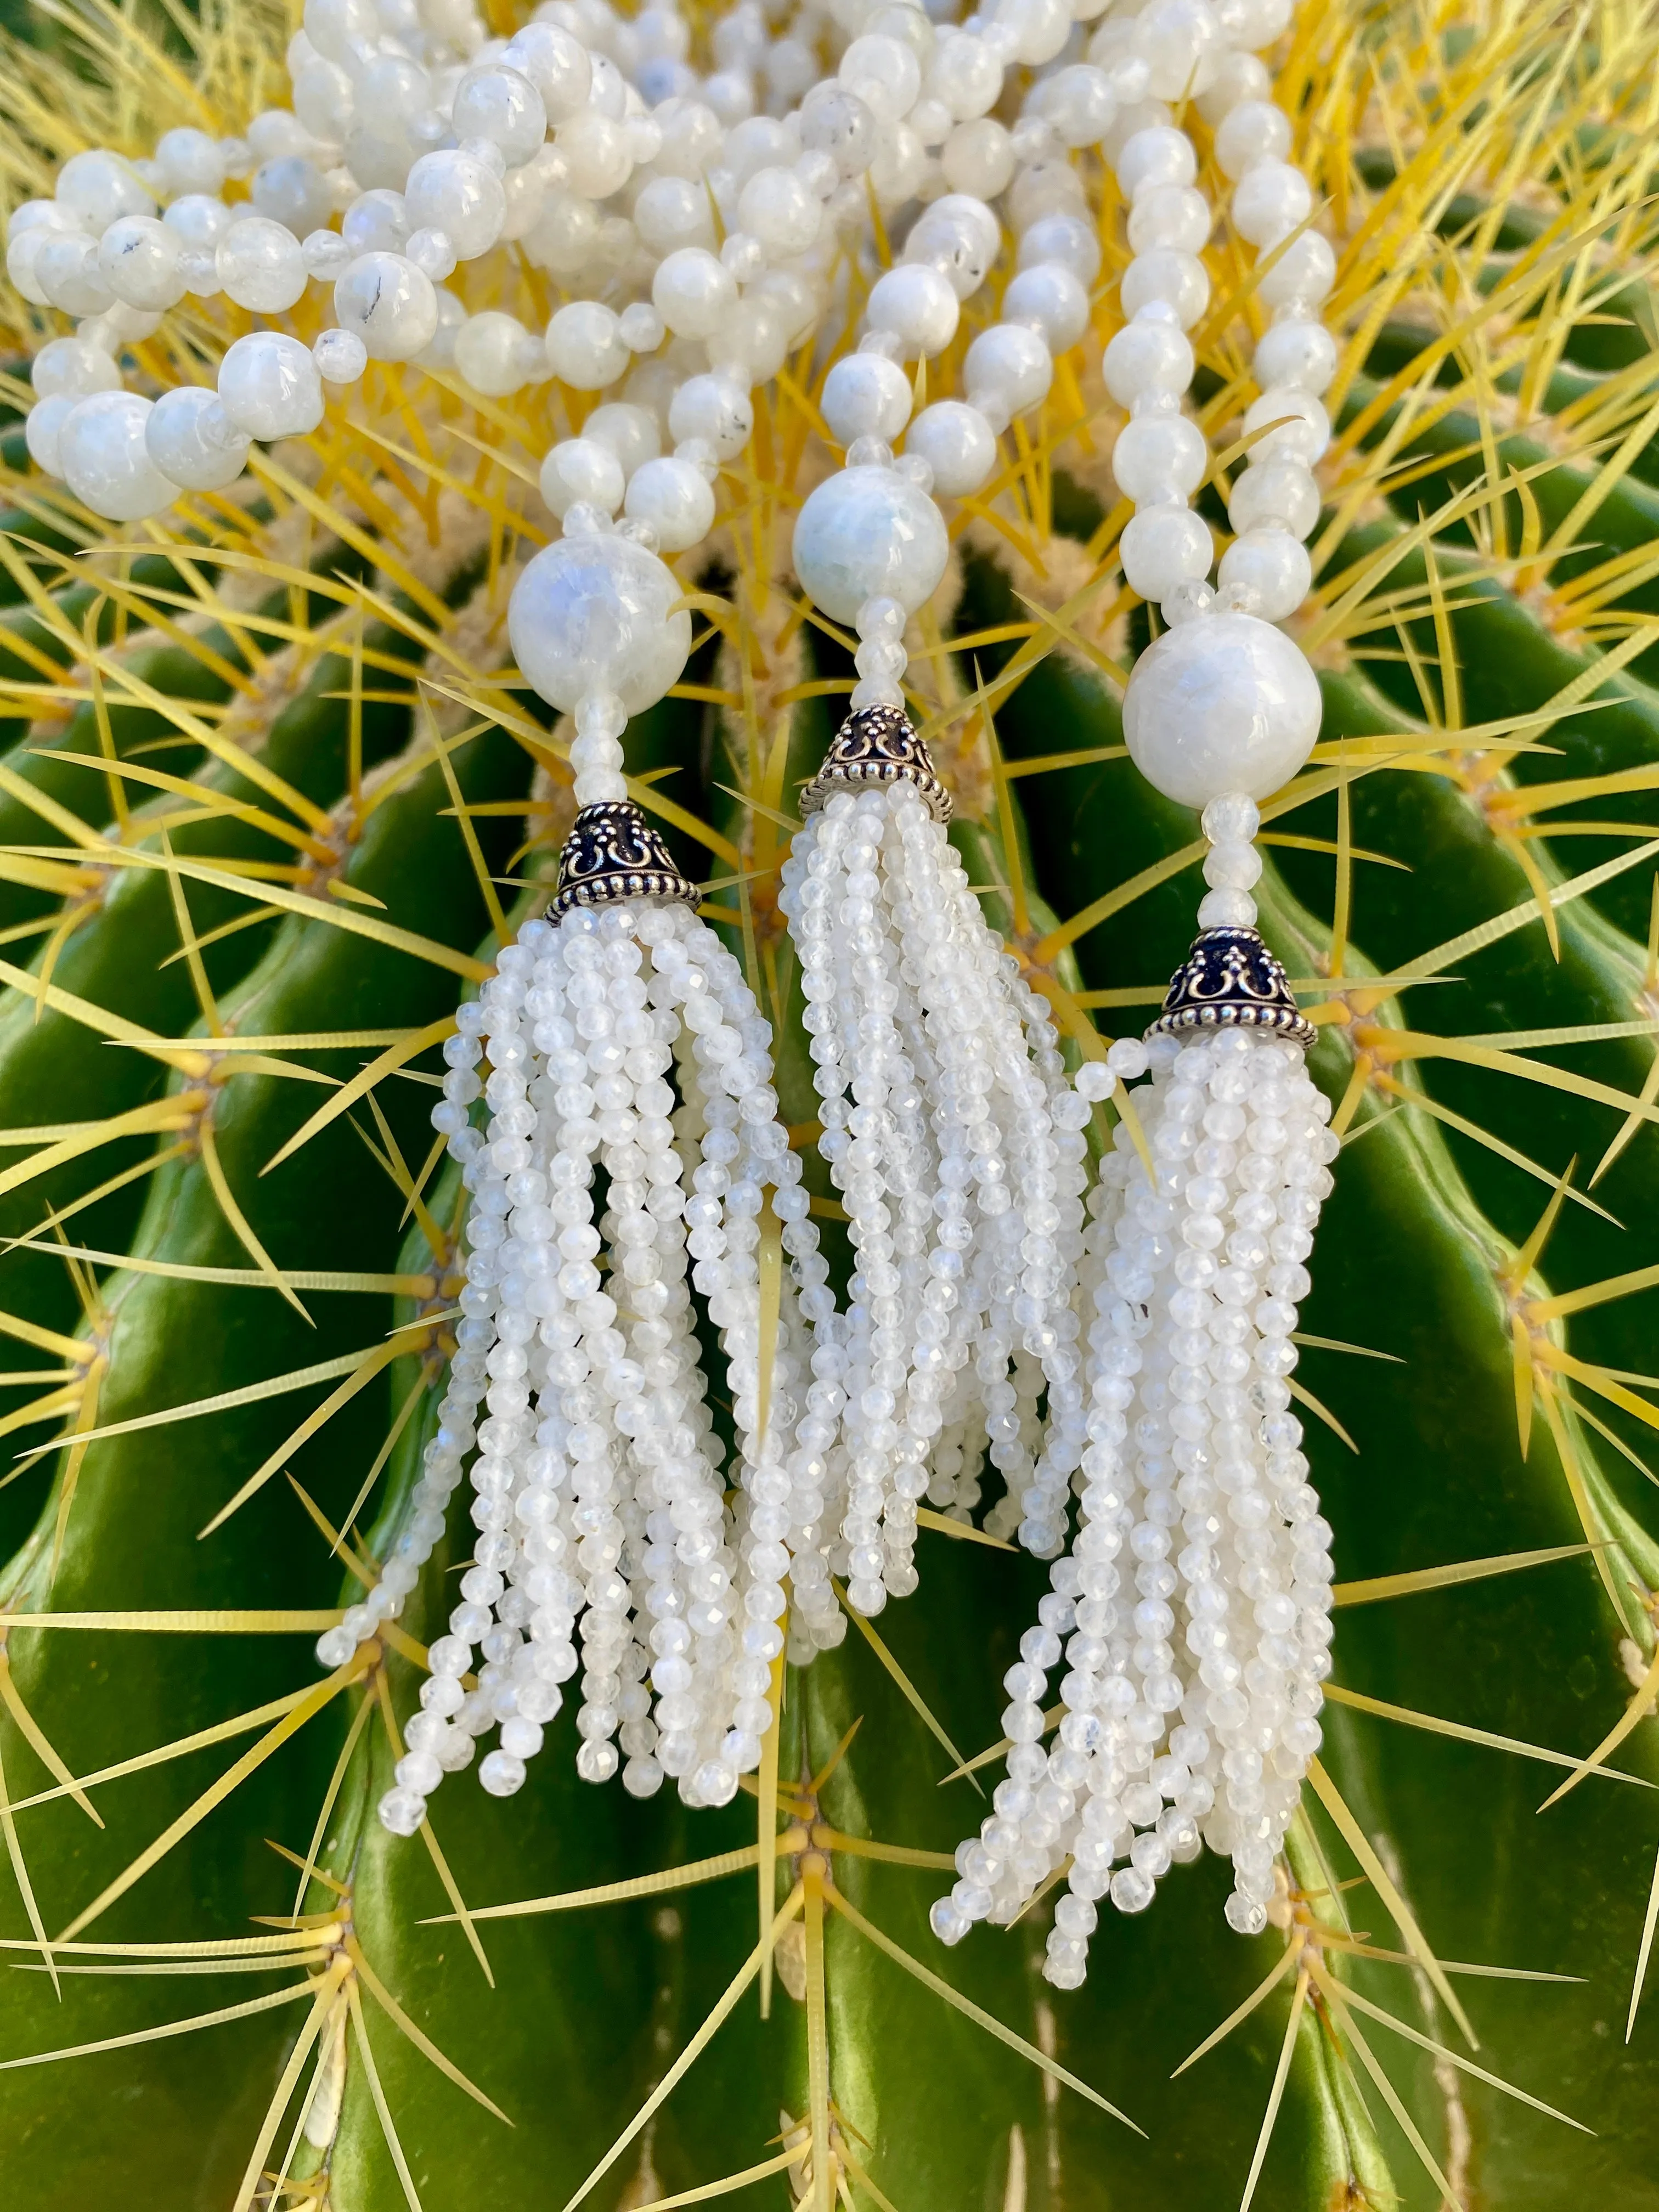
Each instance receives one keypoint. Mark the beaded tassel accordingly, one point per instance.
(956, 1142)
(599, 1495)
(1194, 1608)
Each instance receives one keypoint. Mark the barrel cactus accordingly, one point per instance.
(273, 797)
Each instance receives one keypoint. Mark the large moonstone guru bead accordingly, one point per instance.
(1224, 703)
(592, 613)
(868, 531)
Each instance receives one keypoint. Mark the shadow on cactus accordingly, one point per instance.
(275, 796)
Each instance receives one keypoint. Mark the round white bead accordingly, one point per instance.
(1272, 564)
(714, 409)
(957, 444)
(389, 304)
(978, 157)
(866, 395)
(497, 102)
(1179, 280)
(631, 432)
(555, 63)
(1302, 427)
(1269, 201)
(883, 74)
(1169, 214)
(1160, 154)
(592, 614)
(781, 210)
(1274, 491)
(585, 346)
(490, 353)
(293, 192)
(191, 440)
(1159, 457)
(675, 499)
(1302, 274)
(42, 427)
(1066, 239)
(917, 305)
(74, 368)
(139, 257)
(1052, 301)
(190, 161)
(270, 387)
(1163, 546)
(1147, 356)
(199, 220)
(1254, 131)
(671, 212)
(1035, 30)
(458, 194)
(1223, 703)
(341, 357)
(865, 531)
(1182, 43)
(98, 188)
(1009, 363)
(67, 273)
(582, 469)
(261, 265)
(105, 461)
(694, 292)
(1302, 354)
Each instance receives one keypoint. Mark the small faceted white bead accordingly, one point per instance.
(592, 614)
(582, 469)
(1163, 546)
(917, 305)
(694, 292)
(459, 194)
(192, 441)
(269, 385)
(261, 265)
(866, 395)
(716, 409)
(1274, 566)
(868, 531)
(585, 349)
(139, 257)
(1009, 363)
(386, 301)
(105, 461)
(341, 357)
(1223, 703)
(956, 442)
(675, 499)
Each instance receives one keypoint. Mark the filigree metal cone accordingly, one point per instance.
(612, 852)
(1230, 981)
(877, 745)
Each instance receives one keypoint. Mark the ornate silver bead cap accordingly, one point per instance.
(1230, 981)
(876, 745)
(612, 852)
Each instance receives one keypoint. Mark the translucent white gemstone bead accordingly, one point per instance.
(866, 395)
(555, 63)
(966, 74)
(1159, 457)
(917, 305)
(868, 530)
(1169, 214)
(387, 302)
(139, 257)
(458, 194)
(1182, 42)
(585, 346)
(376, 222)
(190, 163)
(1051, 300)
(73, 367)
(341, 357)
(957, 444)
(628, 432)
(326, 255)
(293, 192)
(595, 151)
(1011, 364)
(781, 210)
(675, 499)
(104, 460)
(671, 212)
(1223, 703)
(1163, 546)
(883, 74)
(1159, 154)
(693, 292)
(490, 353)
(261, 265)
(269, 387)
(41, 427)
(1253, 132)
(1149, 355)
(1297, 353)
(978, 157)
(1077, 103)
(716, 409)
(1273, 566)
(1179, 280)
(1034, 30)
(98, 188)
(199, 219)
(68, 274)
(192, 441)
(1281, 492)
(1302, 427)
(592, 614)
(1302, 274)
(498, 102)
(1269, 200)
